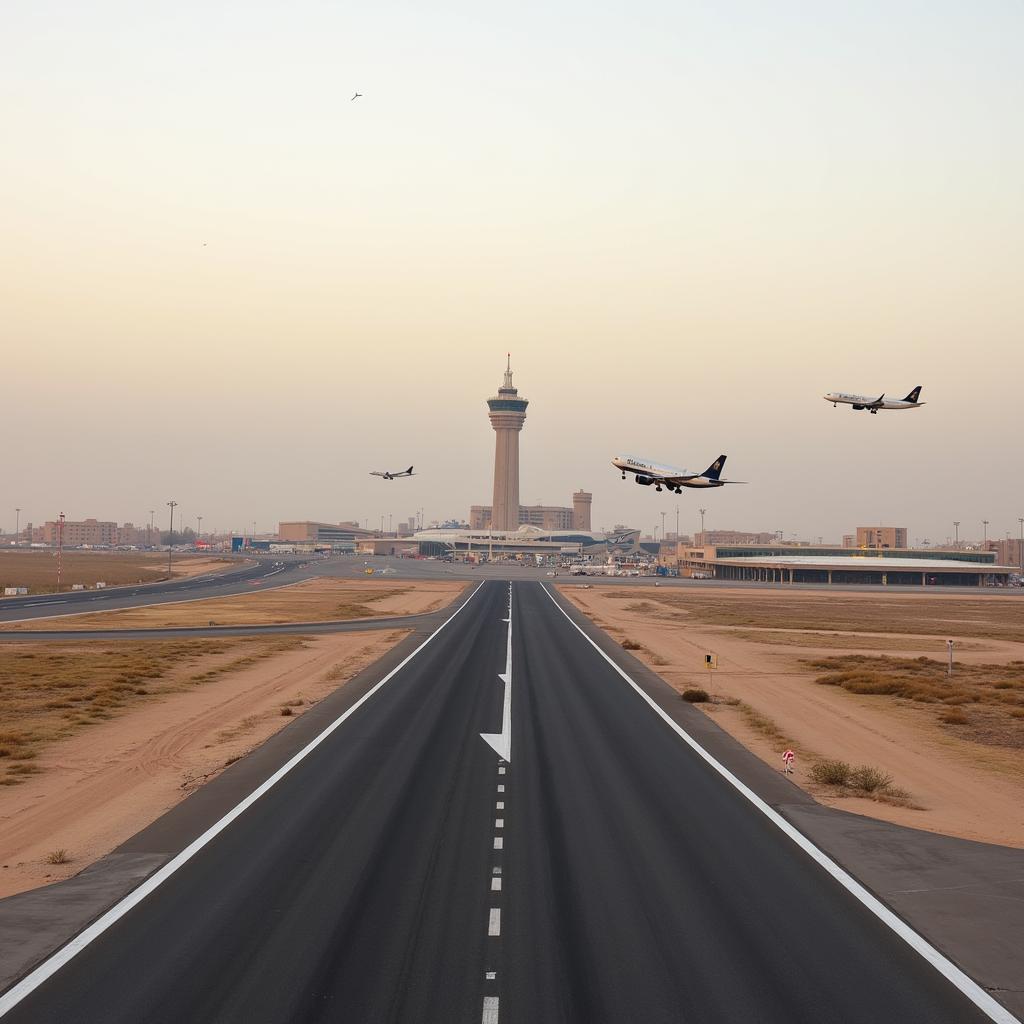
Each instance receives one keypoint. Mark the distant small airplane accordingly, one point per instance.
(874, 404)
(675, 479)
(393, 476)
(357, 95)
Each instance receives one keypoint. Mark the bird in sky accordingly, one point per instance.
(357, 95)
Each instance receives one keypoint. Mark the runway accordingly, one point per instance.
(400, 870)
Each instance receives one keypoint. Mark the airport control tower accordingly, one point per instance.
(508, 413)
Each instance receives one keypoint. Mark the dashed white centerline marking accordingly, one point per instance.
(501, 788)
(490, 975)
(498, 842)
(500, 805)
(490, 1015)
(494, 922)
(501, 771)
(495, 885)
(499, 822)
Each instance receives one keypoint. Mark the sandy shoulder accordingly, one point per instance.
(101, 786)
(964, 789)
(316, 600)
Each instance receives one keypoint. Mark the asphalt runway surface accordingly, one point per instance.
(402, 871)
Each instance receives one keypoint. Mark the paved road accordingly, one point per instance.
(264, 574)
(401, 871)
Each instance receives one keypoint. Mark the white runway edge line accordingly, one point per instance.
(970, 988)
(54, 963)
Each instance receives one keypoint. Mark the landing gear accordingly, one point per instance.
(623, 476)
(874, 412)
(658, 488)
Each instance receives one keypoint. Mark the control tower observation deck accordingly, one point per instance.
(507, 415)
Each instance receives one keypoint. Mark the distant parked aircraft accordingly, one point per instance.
(673, 478)
(393, 476)
(874, 404)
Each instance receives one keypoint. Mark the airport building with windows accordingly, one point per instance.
(777, 563)
(526, 541)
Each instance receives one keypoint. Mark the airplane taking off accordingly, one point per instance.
(874, 404)
(393, 476)
(674, 479)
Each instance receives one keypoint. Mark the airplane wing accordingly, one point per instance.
(674, 481)
(877, 403)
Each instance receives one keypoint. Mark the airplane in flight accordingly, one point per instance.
(874, 404)
(675, 479)
(393, 476)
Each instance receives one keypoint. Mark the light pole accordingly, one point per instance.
(956, 531)
(254, 531)
(172, 505)
(677, 524)
(199, 528)
(60, 548)
(702, 511)
(663, 527)
(984, 524)
(17, 524)
(1020, 550)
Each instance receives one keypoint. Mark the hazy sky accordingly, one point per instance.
(223, 282)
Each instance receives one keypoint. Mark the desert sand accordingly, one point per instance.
(100, 786)
(316, 600)
(971, 790)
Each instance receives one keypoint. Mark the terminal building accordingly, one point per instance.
(527, 541)
(337, 536)
(778, 563)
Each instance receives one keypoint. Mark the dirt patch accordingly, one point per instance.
(952, 780)
(48, 692)
(983, 703)
(995, 616)
(37, 570)
(96, 787)
(317, 600)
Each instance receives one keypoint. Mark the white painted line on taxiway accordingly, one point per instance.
(494, 921)
(490, 1014)
(54, 963)
(970, 988)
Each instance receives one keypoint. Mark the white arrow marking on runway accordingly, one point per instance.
(502, 741)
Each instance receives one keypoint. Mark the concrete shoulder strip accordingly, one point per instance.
(54, 963)
(970, 988)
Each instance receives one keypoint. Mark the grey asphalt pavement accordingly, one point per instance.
(401, 871)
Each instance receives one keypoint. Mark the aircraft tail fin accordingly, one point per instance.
(409, 471)
(914, 395)
(714, 471)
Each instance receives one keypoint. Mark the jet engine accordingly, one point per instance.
(646, 481)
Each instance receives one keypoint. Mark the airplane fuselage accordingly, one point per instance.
(870, 402)
(660, 475)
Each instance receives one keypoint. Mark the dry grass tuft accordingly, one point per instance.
(993, 693)
(58, 857)
(862, 780)
(48, 692)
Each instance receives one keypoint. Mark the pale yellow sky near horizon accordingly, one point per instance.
(224, 282)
